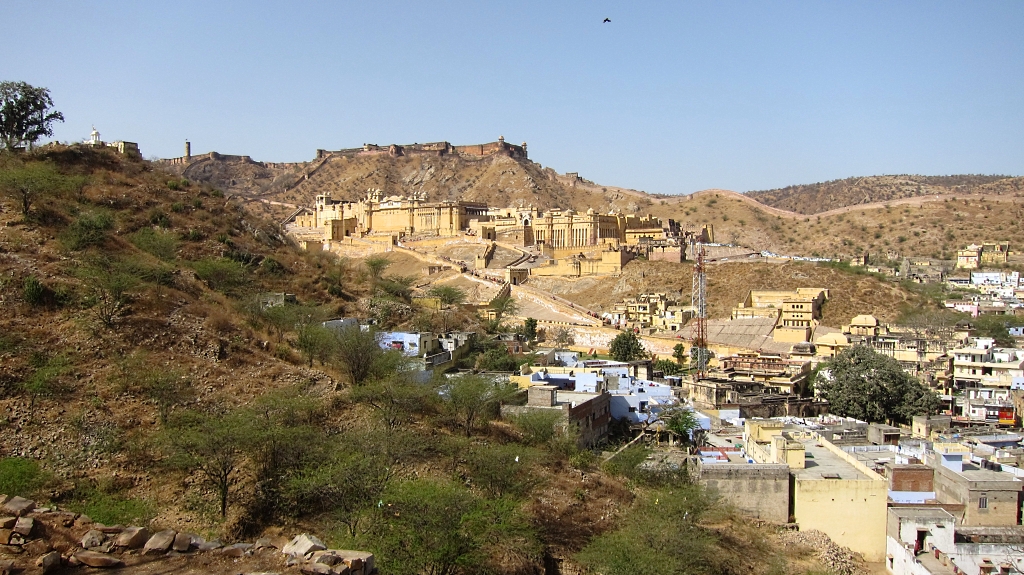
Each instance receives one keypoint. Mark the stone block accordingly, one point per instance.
(24, 526)
(19, 506)
(182, 542)
(49, 562)
(93, 538)
(160, 542)
(7, 567)
(132, 538)
(303, 544)
(5, 536)
(7, 522)
(93, 559)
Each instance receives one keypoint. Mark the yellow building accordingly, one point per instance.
(380, 214)
(832, 491)
(651, 310)
(796, 311)
(988, 253)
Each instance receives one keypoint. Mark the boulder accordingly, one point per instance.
(49, 562)
(93, 559)
(182, 542)
(8, 522)
(160, 542)
(19, 506)
(5, 536)
(236, 550)
(109, 529)
(132, 538)
(24, 525)
(93, 538)
(303, 544)
(7, 567)
(357, 559)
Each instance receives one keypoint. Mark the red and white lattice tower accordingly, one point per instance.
(699, 298)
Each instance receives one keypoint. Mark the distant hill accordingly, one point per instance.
(496, 180)
(825, 196)
(887, 216)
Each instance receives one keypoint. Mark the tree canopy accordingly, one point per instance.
(25, 114)
(627, 347)
(869, 386)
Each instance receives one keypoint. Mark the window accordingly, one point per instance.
(983, 503)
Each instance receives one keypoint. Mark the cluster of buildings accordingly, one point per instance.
(573, 243)
(932, 501)
(989, 293)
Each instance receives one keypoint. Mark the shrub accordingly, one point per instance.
(157, 217)
(34, 292)
(158, 243)
(88, 229)
(220, 274)
(177, 207)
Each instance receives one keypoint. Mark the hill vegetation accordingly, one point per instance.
(142, 381)
(834, 194)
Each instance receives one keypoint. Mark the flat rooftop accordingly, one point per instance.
(973, 472)
(925, 513)
(820, 463)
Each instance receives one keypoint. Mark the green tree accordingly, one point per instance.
(110, 282)
(376, 264)
(682, 422)
(501, 307)
(997, 328)
(870, 386)
(668, 367)
(627, 347)
(530, 329)
(28, 183)
(25, 114)
(448, 295)
(679, 353)
(396, 398)
(212, 445)
(470, 399)
(660, 535)
(361, 356)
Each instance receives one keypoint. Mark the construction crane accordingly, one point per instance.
(699, 300)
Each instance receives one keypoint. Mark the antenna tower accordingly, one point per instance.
(699, 298)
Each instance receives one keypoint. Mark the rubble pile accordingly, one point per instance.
(49, 539)
(838, 559)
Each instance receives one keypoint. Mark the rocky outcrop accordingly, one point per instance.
(47, 539)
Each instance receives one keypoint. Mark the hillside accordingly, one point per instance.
(900, 221)
(141, 384)
(496, 180)
(825, 196)
(728, 284)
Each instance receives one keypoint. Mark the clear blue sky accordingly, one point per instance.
(670, 97)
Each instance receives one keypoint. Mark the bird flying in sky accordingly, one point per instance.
(606, 20)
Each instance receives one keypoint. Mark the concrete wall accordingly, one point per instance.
(851, 512)
(1002, 498)
(761, 491)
